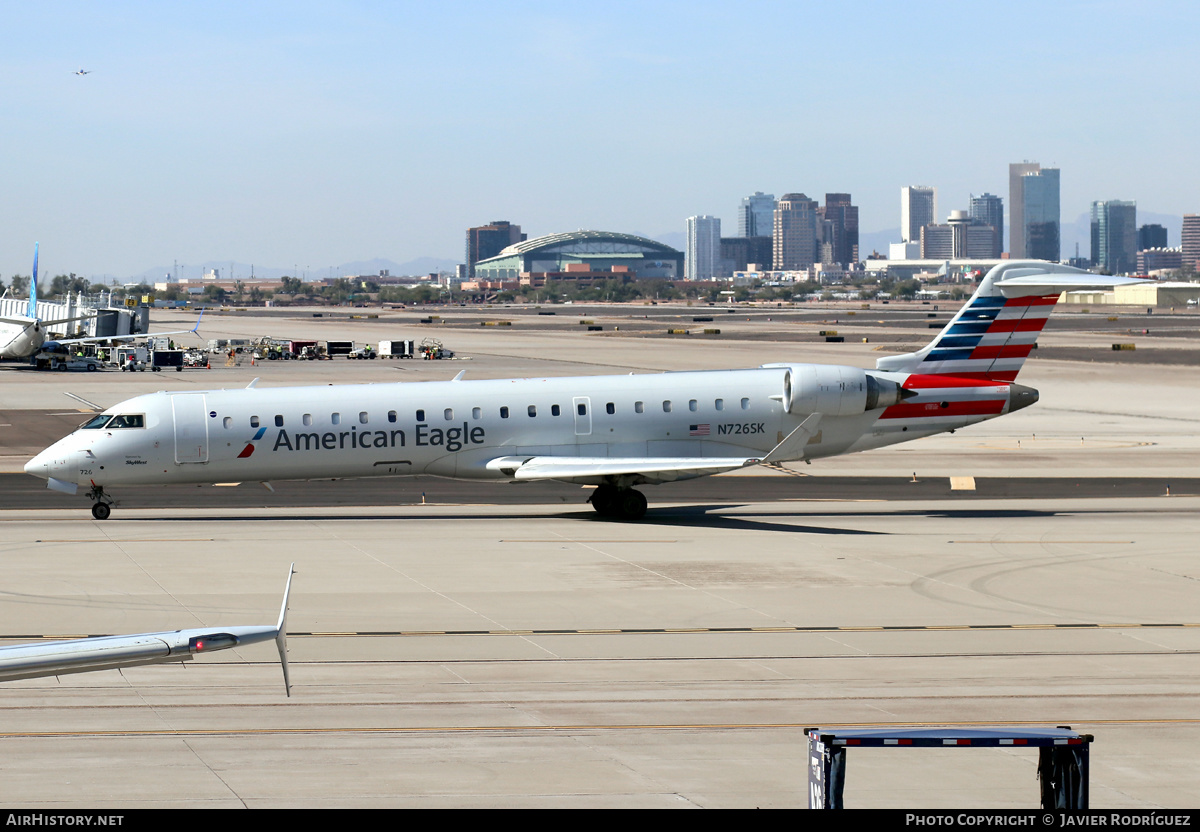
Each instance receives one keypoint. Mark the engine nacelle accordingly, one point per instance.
(836, 390)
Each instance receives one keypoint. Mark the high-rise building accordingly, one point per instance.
(1114, 236)
(1152, 236)
(1191, 242)
(1016, 206)
(918, 207)
(961, 238)
(839, 222)
(703, 247)
(737, 253)
(988, 209)
(486, 241)
(1034, 211)
(756, 215)
(795, 237)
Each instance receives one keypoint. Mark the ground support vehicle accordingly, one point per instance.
(397, 349)
(166, 359)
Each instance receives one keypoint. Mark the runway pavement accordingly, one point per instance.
(526, 656)
(504, 646)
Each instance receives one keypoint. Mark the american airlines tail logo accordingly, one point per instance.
(249, 449)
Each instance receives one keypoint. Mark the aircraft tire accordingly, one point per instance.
(631, 505)
(101, 511)
(604, 500)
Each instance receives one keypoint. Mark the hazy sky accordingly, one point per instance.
(320, 133)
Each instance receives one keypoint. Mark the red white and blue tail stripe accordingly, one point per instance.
(992, 335)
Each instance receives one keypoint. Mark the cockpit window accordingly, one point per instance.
(130, 421)
(96, 422)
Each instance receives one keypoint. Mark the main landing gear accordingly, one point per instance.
(621, 503)
(102, 507)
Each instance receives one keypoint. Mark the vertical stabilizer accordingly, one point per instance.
(32, 309)
(994, 332)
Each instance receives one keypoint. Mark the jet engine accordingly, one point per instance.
(835, 390)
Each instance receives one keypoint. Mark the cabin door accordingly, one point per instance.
(191, 428)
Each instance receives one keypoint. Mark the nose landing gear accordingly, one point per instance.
(621, 503)
(102, 507)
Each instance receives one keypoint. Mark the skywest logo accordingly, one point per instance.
(452, 439)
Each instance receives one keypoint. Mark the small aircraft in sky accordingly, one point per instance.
(82, 71)
(611, 432)
(24, 335)
(58, 658)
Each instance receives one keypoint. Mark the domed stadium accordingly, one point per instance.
(582, 255)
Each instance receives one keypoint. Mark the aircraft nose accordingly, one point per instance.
(39, 466)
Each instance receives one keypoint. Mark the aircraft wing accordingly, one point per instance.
(95, 338)
(57, 658)
(596, 470)
(58, 321)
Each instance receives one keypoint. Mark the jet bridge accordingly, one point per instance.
(1062, 757)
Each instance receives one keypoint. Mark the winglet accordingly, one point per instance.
(281, 631)
(459, 376)
(199, 318)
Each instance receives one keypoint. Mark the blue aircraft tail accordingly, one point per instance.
(32, 310)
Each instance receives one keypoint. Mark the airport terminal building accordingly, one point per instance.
(583, 256)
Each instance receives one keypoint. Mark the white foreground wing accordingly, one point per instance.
(595, 470)
(58, 658)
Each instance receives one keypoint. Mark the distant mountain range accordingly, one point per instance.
(242, 271)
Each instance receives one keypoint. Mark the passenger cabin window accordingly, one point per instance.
(278, 421)
(581, 409)
(532, 410)
(476, 413)
(362, 417)
(504, 413)
(420, 415)
(227, 422)
(692, 405)
(719, 404)
(610, 408)
(667, 406)
(306, 419)
(555, 410)
(391, 416)
(638, 407)
(253, 421)
(745, 404)
(449, 414)
(336, 418)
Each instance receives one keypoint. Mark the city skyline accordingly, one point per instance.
(326, 133)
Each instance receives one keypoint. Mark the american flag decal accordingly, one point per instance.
(698, 430)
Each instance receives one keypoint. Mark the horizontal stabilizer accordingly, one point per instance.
(1044, 283)
(595, 470)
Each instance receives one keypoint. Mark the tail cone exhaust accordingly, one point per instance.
(1020, 396)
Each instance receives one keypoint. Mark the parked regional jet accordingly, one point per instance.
(25, 335)
(58, 658)
(613, 432)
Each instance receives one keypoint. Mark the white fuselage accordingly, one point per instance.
(455, 428)
(20, 340)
